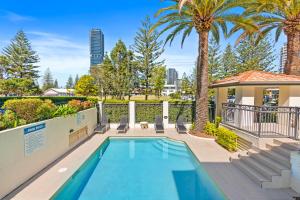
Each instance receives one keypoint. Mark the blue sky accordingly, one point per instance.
(58, 31)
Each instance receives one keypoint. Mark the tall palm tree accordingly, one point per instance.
(205, 16)
(283, 16)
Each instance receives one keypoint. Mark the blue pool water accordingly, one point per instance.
(140, 169)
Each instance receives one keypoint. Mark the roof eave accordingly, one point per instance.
(254, 84)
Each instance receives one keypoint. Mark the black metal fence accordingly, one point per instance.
(263, 121)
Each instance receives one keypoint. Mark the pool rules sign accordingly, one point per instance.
(34, 138)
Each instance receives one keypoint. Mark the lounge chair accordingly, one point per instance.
(123, 127)
(103, 126)
(180, 127)
(159, 127)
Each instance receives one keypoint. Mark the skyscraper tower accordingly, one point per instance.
(172, 76)
(96, 46)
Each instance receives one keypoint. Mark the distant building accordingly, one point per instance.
(172, 82)
(59, 92)
(283, 58)
(169, 89)
(96, 47)
(172, 76)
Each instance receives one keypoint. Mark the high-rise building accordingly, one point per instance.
(283, 58)
(172, 76)
(96, 47)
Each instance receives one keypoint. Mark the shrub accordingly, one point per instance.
(93, 99)
(218, 121)
(55, 100)
(114, 112)
(147, 112)
(76, 104)
(64, 111)
(24, 108)
(192, 126)
(180, 108)
(87, 104)
(227, 139)
(46, 110)
(211, 129)
(10, 120)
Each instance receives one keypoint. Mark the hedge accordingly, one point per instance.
(227, 139)
(115, 111)
(23, 111)
(148, 111)
(184, 109)
(56, 100)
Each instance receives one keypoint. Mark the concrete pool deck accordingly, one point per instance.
(214, 158)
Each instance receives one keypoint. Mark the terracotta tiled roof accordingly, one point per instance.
(258, 78)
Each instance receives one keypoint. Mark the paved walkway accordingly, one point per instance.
(214, 158)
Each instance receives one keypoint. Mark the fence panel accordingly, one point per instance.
(114, 111)
(262, 121)
(148, 111)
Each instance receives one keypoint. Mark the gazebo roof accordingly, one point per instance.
(257, 78)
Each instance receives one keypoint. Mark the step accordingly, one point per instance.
(292, 146)
(276, 157)
(251, 173)
(172, 143)
(170, 146)
(260, 168)
(173, 152)
(277, 167)
(279, 149)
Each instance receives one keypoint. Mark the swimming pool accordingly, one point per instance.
(140, 169)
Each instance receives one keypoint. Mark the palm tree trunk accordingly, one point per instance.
(202, 83)
(292, 65)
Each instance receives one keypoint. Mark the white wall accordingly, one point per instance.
(16, 167)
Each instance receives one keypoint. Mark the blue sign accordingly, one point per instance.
(34, 128)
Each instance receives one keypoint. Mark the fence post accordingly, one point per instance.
(259, 122)
(297, 113)
(99, 111)
(131, 114)
(166, 114)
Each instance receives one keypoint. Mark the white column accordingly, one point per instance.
(294, 96)
(245, 95)
(221, 97)
(131, 114)
(166, 114)
(100, 109)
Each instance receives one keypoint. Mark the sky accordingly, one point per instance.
(59, 31)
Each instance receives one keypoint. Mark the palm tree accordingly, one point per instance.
(283, 16)
(205, 16)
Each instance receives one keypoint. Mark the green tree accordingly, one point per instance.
(205, 16)
(47, 80)
(21, 59)
(281, 16)
(3, 64)
(86, 86)
(186, 85)
(255, 56)
(70, 83)
(214, 59)
(55, 83)
(117, 73)
(76, 79)
(18, 87)
(229, 62)
(158, 78)
(148, 50)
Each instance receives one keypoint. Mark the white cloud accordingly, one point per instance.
(14, 17)
(63, 56)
